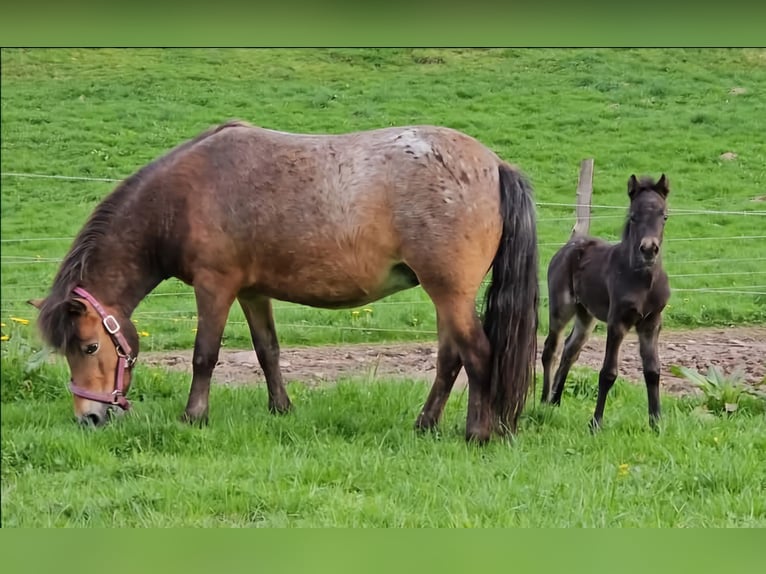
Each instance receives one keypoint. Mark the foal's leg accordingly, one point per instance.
(648, 337)
(458, 313)
(448, 365)
(260, 319)
(213, 304)
(581, 331)
(615, 334)
(560, 314)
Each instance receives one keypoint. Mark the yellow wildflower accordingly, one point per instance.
(4, 338)
(622, 470)
(20, 321)
(2, 324)
(367, 310)
(355, 313)
(144, 333)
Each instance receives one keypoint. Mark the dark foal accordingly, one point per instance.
(623, 285)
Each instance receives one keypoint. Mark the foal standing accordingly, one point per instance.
(623, 285)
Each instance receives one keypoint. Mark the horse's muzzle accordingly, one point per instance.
(649, 248)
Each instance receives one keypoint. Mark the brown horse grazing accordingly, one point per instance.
(333, 221)
(623, 285)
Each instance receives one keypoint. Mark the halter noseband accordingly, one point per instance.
(124, 363)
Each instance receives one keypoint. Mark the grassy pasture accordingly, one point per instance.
(104, 113)
(348, 456)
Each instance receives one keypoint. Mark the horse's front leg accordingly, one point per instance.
(648, 339)
(213, 305)
(614, 336)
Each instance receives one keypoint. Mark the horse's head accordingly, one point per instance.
(100, 347)
(646, 218)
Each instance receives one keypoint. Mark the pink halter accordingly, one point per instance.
(124, 363)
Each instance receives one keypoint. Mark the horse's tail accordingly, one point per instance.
(510, 309)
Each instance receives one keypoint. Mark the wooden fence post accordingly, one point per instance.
(583, 201)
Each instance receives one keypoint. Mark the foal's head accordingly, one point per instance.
(646, 218)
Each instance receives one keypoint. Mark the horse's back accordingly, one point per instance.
(341, 211)
(577, 273)
(578, 252)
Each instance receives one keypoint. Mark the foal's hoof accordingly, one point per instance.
(594, 426)
(280, 408)
(199, 420)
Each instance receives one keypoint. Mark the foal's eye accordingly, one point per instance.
(665, 216)
(90, 349)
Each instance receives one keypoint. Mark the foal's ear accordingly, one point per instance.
(76, 306)
(36, 303)
(662, 186)
(632, 186)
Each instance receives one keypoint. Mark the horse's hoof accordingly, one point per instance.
(594, 426)
(425, 424)
(280, 408)
(199, 420)
(480, 437)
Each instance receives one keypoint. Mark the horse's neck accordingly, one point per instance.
(644, 276)
(123, 274)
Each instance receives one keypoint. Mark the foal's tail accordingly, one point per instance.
(510, 313)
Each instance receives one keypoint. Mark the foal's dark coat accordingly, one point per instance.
(623, 285)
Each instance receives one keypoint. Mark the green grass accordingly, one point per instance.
(347, 456)
(105, 113)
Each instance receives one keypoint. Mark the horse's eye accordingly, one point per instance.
(665, 216)
(90, 349)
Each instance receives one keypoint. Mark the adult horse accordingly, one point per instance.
(333, 221)
(623, 285)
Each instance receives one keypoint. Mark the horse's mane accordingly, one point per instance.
(54, 321)
(644, 184)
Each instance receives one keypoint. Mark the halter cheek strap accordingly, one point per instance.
(125, 359)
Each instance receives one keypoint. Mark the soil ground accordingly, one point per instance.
(731, 348)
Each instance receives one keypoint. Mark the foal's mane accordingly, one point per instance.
(54, 321)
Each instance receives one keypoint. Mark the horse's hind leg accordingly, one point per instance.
(572, 346)
(213, 304)
(448, 365)
(458, 317)
(561, 312)
(260, 320)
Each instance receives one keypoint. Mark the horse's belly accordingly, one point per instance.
(336, 289)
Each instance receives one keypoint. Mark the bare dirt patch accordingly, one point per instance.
(743, 348)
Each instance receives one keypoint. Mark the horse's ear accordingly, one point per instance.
(76, 306)
(632, 186)
(662, 186)
(36, 303)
